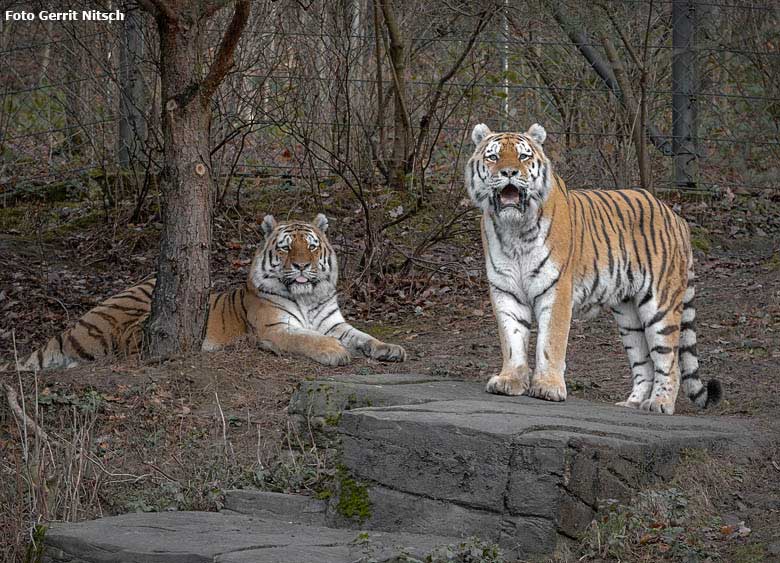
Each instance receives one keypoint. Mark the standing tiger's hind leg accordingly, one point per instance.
(632, 333)
(662, 331)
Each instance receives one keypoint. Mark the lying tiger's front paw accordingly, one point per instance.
(514, 382)
(550, 387)
(331, 353)
(385, 352)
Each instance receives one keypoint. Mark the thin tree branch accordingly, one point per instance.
(213, 7)
(223, 61)
(425, 121)
(159, 8)
(580, 39)
(623, 38)
(604, 71)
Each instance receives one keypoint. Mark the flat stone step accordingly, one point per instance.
(444, 457)
(320, 402)
(289, 508)
(195, 537)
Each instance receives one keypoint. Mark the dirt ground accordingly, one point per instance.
(174, 436)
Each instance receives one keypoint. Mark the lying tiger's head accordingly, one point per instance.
(296, 259)
(508, 172)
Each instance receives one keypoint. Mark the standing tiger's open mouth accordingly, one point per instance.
(511, 196)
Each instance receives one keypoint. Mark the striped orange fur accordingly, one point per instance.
(552, 254)
(288, 305)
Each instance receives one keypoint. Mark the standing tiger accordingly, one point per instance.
(288, 305)
(551, 253)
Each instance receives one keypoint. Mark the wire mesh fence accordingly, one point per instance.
(365, 92)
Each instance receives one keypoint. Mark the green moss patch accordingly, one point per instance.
(354, 503)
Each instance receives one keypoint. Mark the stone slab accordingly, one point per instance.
(279, 506)
(326, 398)
(441, 460)
(195, 537)
(444, 457)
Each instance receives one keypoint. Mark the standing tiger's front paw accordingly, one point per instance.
(628, 404)
(657, 405)
(509, 382)
(550, 387)
(385, 352)
(330, 352)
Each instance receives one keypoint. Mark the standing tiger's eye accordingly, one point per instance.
(492, 157)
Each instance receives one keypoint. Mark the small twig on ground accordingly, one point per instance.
(161, 472)
(12, 398)
(61, 304)
(222, 416)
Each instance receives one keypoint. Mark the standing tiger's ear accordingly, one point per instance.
(537, 133)
(480, 132)
(268, 226)
(321, 222)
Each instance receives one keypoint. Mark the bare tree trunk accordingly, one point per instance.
(73, 93)
(356, 21)
(684, 107)
(43, 77)
(267, 87)
(180, 301)
(183, 279)
(132, 99)
(380, 115)
(399, 165)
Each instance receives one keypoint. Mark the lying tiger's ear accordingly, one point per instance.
(480, 132)
(537, 133)
(321, 222)
(269, 224)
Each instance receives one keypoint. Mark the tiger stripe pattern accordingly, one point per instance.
(552, 254)
(288, 305)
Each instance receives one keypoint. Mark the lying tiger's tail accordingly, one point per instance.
(49, 356)
(702, 395)
(113, 326)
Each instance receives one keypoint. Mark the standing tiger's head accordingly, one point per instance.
(508, 172)
(296, 260)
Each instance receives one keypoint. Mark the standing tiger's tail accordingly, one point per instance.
(702, 395)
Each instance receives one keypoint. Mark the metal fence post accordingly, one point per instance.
(684, 103)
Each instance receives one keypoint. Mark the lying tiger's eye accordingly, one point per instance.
(492, 157)
(525, 157)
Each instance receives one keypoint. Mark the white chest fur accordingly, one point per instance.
(518, 259)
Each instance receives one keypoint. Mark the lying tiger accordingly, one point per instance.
(287, 305)
(551, 253)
